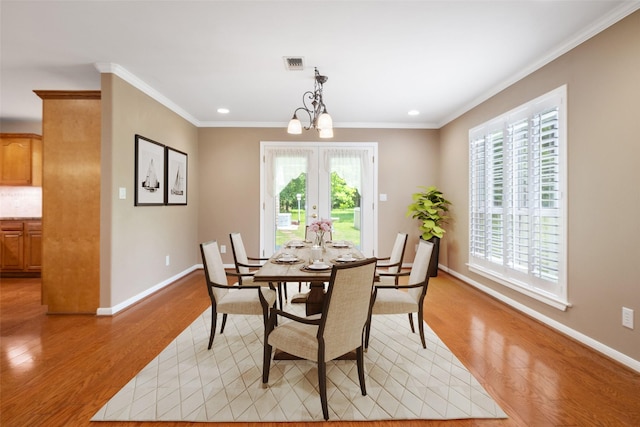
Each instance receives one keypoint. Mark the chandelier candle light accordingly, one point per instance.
(319, 118)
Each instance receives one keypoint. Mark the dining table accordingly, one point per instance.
(301, 261)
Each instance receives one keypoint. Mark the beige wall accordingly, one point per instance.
(230, 179)
(603, 85)
(20, 126)
(136, 240)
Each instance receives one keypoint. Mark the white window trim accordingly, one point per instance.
(494, 272)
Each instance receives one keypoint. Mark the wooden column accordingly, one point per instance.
(71, 131)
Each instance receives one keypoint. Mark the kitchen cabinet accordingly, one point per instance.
(33, 246)
(21, 247)
(20, 159)
(12, 258)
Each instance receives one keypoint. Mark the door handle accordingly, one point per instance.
(314, 215)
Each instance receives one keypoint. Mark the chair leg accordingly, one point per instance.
(322, 381)
(413, 331)
(367, 332)
(214, 317)
(266, 360)
(224, 322)
(360, 362)
(421, 327)
(280, 295)
(266, 363)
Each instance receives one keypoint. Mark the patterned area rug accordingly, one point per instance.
(187, 382)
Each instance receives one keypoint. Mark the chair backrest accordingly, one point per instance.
(213, 269)
(397, 253)
(239, 253)
(346, 307)
(420, 269)
(310, 236)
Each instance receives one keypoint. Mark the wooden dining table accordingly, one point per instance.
(293, 263)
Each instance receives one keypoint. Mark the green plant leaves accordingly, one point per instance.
(430, 207)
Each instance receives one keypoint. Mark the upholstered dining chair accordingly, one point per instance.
(338, 330)
(235, 299)
(400, 299)
(246, 266)
(393, 263)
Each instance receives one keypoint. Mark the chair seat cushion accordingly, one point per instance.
(297, 339)
(245, 301)
(392, 301)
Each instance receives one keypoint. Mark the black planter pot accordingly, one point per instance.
(433, 268)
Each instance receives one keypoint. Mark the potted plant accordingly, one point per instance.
(431, 208)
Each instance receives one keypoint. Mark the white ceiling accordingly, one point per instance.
(383, 58)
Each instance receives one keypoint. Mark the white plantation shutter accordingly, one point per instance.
(517, 212)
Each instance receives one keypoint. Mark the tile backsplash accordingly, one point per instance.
(20, 202)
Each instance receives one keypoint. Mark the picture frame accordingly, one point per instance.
(177, 173)
(150, 170)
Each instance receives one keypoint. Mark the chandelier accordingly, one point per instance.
(316, 110)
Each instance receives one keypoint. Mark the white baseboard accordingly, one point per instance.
(110, 311)
(578, 336)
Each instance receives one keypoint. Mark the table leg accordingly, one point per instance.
(315, 298)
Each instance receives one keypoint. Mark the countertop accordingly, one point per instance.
(20, 218)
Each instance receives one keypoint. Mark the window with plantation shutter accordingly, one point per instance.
(517, 231)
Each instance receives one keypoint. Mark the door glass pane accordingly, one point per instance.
(291, 170)
(346, 182)
(290, 211)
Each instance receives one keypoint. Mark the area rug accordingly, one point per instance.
(187, 382)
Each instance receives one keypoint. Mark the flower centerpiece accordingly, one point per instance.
(320, 227)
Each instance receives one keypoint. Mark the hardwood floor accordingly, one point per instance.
(58, 370)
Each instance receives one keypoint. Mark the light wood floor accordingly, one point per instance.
(58, 370)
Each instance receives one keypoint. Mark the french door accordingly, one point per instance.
(307, 181)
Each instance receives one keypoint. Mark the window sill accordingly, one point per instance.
(544, 298)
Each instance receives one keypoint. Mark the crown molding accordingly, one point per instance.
(124, 74)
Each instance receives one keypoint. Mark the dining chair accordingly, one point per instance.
(235, 299)
(337, 330)
(400, 299)
(246, 266)
(393, 263)
(242, 262)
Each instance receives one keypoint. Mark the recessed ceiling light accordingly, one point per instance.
(223, 110)
(414, 112)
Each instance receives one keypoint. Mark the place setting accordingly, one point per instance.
(317, 265)
(339, 244)
(296, 244)
(287, 258)
(349, 257)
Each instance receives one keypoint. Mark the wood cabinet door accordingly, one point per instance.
(15, 160)
(33, 246)
(12, 241)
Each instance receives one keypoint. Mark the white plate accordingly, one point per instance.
(296, 245)
(343, 259)
(290, 259)
(318, 266)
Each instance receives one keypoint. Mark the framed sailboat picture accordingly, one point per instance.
(176, 177)
(150, 172)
